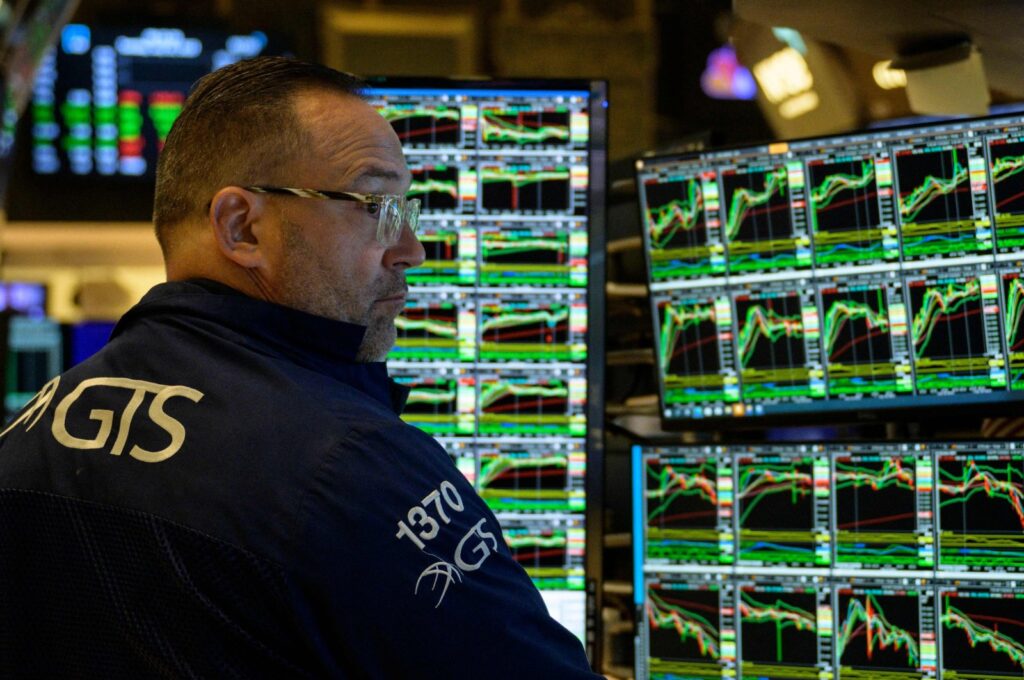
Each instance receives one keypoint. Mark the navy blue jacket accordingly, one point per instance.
(238, 442)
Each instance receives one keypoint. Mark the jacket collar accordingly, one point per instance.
(315, 342)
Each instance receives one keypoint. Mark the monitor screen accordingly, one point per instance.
(84, 339)
(33, 356)
(840, 276)
(103, 102)
(896, 560)
(22, 297)
(497, 340)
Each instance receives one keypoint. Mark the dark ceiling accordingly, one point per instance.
(891, 28)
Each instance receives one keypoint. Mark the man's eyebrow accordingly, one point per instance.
(379, 173)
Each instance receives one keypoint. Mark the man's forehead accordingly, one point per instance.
(353, 139)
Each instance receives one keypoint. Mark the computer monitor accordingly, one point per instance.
(840, 277)
(23, 297)
(866, 560)
(103, 102)
(85, 338)
(501, 337)
(32, 357)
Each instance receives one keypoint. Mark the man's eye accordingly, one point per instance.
(373, 208)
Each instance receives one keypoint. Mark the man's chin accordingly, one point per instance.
(377, 343)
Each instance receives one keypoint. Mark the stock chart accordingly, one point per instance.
(494, 341)
(844, 560)
(839, 275)
(845, 210)
(758, 225)
(683, 241)
(1006, 167)
(866, 353)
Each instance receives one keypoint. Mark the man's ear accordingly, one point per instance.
(234, 216)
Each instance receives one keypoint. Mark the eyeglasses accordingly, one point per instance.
(393, 210)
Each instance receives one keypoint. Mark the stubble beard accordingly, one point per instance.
(312, 289)
(379, 339)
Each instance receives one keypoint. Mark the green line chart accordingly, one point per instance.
(851, 324)
(761, 481)
(666, 222)
(524, 127)
(1006, 167)
(679, 323)
(845, 201)
(682, 494)
(942, 304)
(886, 643)
(950, 175)
(437, 187)
(746, 202)
(499, 396)
(1014, 313)
(495, 468)
(424, 125)
(977, 481)
(523, 187)
(682, 617)
(762, 329)
(981, 511)
(983, 629)
(1013, 293)
(1007, 172)
(441, 327)
(785, 618)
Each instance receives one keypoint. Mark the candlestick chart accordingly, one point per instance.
(758, 224)
(935, 203)
(981, 511)
(845, 217)
(1007, 172)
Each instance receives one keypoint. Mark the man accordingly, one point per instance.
(226, 489)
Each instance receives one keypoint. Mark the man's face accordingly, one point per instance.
(330, 261)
